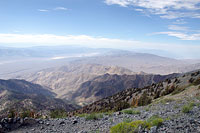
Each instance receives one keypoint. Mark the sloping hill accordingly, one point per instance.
(22, 95)
(67, 79)
(144, 96)
(107, 85)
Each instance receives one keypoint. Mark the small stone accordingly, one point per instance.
(118, 113)
(74, 122)
(41, 127)
(10, 120)
(41, 122)
(62, 123)
(47, 123)
(153, 129)
(33, 129)
(21, 121)
(1, 126)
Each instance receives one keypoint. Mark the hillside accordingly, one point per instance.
(67, 79)
(22, 95)
(143, 96)
(174, 107)
(107, 85)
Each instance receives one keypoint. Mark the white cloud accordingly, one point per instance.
(182, 36)
(60, 8)
(43, 10)
(169, 9)
(178, 28)
(50, 39)
(179, 21)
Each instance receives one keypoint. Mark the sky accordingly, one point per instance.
(170, 26)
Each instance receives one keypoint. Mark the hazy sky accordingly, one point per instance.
(169, 25)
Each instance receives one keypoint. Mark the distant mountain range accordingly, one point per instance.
(20, 61)
(22, 95)
(67, 79)
(85, 84)
(145, 62)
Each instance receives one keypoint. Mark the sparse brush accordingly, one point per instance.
(132, 127)
(130, 111)
(58, 113)
(94, 116)
(187, 108)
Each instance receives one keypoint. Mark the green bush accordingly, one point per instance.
(93, 116)
(82, 115)
(154, 121)
(130, 111)
(58, 113)
(11, 113)
(132, 127)
(109, 113)
(188, 108)
(125, 127)
(27, 113)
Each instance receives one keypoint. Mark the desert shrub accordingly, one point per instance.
(176, 81)
(130, 111)
(132, 127)
(93, 116)
(196, 82)
(187, 108)
(178, 90)
(154, 121)
(191, 80)
(59, 113)
(27, 113)
(168, 90)
(121, 105)
(157, 94)
(144, 100)
(109, 113)
(82, 115)
(125, 127)
(166, 100)
(11, 113)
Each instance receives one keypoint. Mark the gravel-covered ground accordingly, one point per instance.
(175, 121)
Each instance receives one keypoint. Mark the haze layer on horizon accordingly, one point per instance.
(171, 27)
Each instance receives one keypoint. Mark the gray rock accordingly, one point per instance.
(41, 122)
(153, 129)
(74, 121)
(10, 120)
(21, 121)
(62, 123)
(47, 123)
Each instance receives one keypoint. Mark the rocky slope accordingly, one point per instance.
(170, 109)
(174, 102)
(21, 95)
(67, 79)
(107, 85)
(143, 96)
